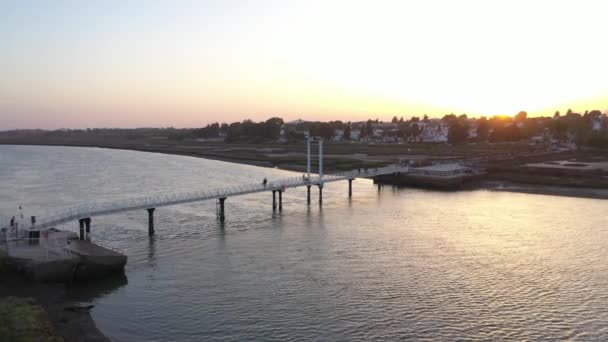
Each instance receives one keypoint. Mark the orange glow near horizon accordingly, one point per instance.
(190, 63)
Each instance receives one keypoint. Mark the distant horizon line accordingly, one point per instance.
(604, 112)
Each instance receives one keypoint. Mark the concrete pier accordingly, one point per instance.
(221, 213)
(81, 224)
(87, 224)
(150, 221)
(280, 200)
(62, 257)
(274, 200)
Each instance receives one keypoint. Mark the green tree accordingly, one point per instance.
(347, 130)
(457, 132)
(521, 116)
(483, 128)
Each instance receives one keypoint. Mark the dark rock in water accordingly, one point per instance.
(79, 308)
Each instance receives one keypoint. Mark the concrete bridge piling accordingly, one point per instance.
(308, 194)
(320, 194)
(150, 221)
(221, 214)
(274, 200)
(81, 225)
(87, 225)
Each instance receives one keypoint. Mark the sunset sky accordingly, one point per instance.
(83, 64)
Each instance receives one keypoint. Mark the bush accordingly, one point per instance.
(24, 321)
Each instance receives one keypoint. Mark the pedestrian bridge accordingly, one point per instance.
(83, 213)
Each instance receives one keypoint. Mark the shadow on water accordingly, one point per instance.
(152, 250)
(89, 291)
(221, 229)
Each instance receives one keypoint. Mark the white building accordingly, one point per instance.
(338, 135)
(433, 131)
(596, 125)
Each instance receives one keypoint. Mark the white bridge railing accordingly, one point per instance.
(160, 200)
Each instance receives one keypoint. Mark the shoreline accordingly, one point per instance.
(590, 193)
(67, 318)
(492, 185)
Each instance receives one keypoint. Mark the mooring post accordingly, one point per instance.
(81, 223)
(320, 194)
(308, 194)
(280, 200)
(150, 221)
(274, 200)
(350, 188)
(87, 223)
(222, 216)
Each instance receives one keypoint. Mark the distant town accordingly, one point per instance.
(570, 129)
(589, 128)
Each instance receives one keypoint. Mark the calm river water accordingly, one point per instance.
(393, 265)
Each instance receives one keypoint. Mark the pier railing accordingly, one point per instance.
(159, 200)
(37, 248)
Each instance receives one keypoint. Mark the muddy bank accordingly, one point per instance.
(544, 189)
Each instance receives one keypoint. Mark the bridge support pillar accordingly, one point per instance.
(280, 200)
(350, 188)
(222, 216)
(151, 221)
(320, 194)
(81, 223)
(87, 224)
(274, 200)
(308, 194)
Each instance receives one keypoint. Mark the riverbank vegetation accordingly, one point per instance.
(25, 321)
(587, 129)
(501, 144)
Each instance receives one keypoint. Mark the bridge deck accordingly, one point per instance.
(155, 201)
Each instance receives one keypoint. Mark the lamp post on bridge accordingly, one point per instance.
(319, 141)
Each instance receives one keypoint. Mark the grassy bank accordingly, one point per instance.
(25, 321)
(31, 311)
